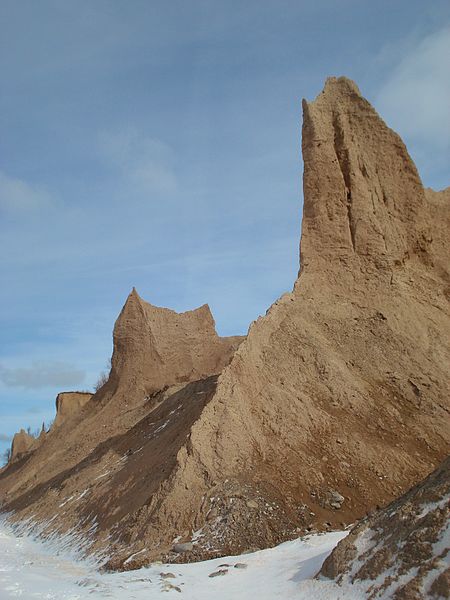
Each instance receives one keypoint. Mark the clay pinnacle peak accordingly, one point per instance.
(205, 308)
(337, 87)
(341, 84)
(133, 300)
(133, 295)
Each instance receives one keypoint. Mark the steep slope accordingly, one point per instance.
(402, 551)
(336, 402)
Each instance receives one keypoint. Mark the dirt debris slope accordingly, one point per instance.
(402, 551)
(336, 402)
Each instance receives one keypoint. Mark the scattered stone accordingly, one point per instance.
(240, 566)
(168, 586)
(224, 565)
(167, 575)
(219, 573)
(212, 514)
(186, 547)
(252, 504)
(336, 499)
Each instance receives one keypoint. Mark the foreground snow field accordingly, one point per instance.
(32, 569)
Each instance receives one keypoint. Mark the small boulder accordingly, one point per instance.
(168, 586)
(218, 573)
(186, 547)
(336, 499)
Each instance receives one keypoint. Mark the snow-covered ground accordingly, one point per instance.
(32, 569)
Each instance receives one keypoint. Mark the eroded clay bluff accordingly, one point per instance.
(68, 404)
(22, 442)
(402, 551)
(336, 401)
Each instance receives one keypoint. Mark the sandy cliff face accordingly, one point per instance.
(363, 196)
(157, 347)
(336, 401)
(402, 551)
(438, 203)
(69, 404)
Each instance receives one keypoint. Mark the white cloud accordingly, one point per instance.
(42, 374)
(145, 163)
(415, 98)
(17, 196)
(4, 437)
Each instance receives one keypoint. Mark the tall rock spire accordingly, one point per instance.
(362, 193)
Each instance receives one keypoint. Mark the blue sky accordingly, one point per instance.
(157, 144)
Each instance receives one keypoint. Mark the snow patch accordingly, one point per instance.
(35, 569)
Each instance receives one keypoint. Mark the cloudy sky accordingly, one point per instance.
(157, 144)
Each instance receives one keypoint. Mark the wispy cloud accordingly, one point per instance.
(42, 374)
(415, 96)
(143, 162)
(5, 437)
(18, 196)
